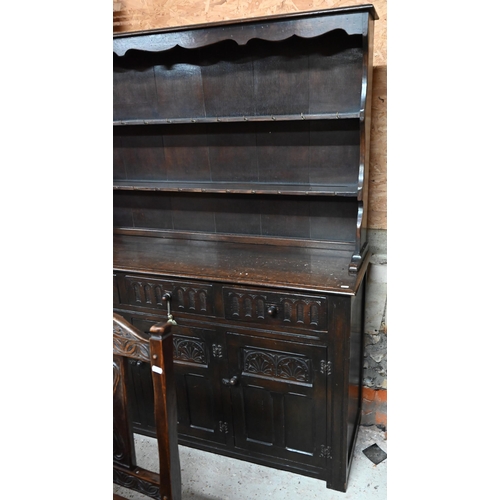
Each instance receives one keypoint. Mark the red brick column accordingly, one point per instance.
(374, 409)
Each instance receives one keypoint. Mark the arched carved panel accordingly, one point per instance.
(287, 312)
(203, 301)
(275, 364)
(137, 292)
(260, 308)
(180, 298)
(192, 299)
(248, 307)
(235, 306)
(300, 312)
(259, 362)
(158, 295)
(314, 314)
(190, 350)
(293, 368)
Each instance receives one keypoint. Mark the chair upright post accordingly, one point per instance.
(129, 342)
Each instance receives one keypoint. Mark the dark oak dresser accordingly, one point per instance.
(241, 154)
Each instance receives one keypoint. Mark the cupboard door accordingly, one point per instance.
(196, 365)
(278, 396)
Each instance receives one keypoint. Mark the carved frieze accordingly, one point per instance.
(247, 305)
(295, 311)
(145, 292)
(303, 312)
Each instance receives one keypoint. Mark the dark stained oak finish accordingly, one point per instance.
(304, 268)
(241, 154)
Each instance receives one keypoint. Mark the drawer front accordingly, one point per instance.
(275, 308)
(195, 298)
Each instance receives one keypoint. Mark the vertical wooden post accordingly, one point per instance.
(161, 349)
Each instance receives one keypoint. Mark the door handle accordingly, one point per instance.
(230, 381)
(167, 297)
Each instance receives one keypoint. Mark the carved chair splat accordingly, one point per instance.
(129, 342)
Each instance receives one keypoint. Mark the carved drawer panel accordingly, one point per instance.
(195, 298)
(274, 308)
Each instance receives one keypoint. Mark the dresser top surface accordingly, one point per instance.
(277, 266)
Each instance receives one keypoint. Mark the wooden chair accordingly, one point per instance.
(129, 342)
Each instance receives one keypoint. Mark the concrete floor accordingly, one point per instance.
(206, 476)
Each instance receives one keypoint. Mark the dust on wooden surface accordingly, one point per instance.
(136, 15)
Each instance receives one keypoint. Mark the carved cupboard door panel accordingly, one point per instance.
(278, 398)
(197, 359)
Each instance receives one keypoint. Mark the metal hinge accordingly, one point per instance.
(217, 350)
(326, 367)
(223, 427)
(326, 452)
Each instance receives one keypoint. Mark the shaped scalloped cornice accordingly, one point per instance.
(269, 29)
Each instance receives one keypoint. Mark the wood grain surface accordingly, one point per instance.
(136, 15)
(296, 268)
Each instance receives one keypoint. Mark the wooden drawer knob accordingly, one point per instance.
(272, 311)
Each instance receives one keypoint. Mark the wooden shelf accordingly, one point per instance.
(237, 188)
(241, 119)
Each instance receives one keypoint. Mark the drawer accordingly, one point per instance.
(147, 292)
(272, 308)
